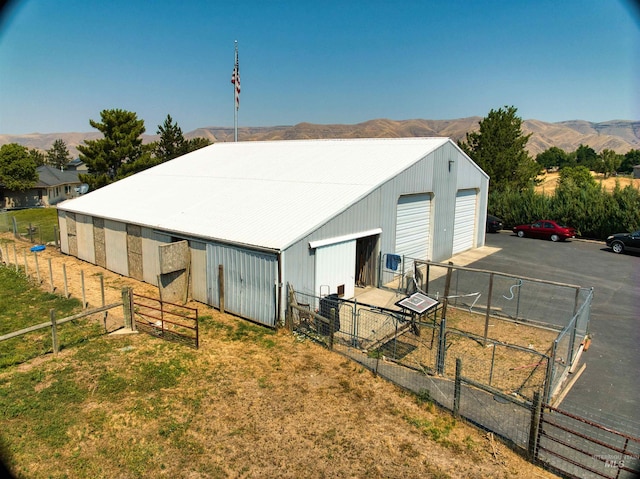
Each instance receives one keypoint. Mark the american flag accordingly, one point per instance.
(235, 79)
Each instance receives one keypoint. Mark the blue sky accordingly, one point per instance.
(321, 61)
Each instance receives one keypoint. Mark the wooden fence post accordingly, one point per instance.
(26, 266)
(221, 287)
(84, 294)
(35, 258)
(126, 307)
(102, 287)
(64, 276)
(15, 255)
(456, 389)
(486, 319)
(53, 288)
(534, 428)
(54, 331)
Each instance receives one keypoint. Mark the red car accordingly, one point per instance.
(546, 229)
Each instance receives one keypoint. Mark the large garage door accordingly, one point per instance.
(465, 221)
(412, 227)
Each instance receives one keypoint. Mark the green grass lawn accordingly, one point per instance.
(24, 304)
(44, 220)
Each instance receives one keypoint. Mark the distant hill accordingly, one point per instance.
(617, 135)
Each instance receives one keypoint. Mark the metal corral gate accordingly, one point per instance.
(579, 448)
(170, 321)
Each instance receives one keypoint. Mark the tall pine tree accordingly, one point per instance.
(117, 154)
(499, 149)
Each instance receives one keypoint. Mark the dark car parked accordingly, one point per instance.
(546, 229)
(621, 242)
(494, 224)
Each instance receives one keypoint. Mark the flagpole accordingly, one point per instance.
(235, 99)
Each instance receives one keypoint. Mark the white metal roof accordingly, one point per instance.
(266, 194)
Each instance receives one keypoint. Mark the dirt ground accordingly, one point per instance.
(549, 181)
(358, 429)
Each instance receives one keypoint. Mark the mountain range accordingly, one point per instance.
(620, 136)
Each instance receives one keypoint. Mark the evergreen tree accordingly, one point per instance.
(17, 168)
(107, 158)
(172, 143)
(499, 149)
(58, 155)
(196, 143)
(37, 156)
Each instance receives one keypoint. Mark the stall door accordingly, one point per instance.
(335, 269)
(250, 282)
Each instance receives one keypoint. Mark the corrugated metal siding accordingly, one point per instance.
(115, 239)
(198, 271)
(465, 221)
(84, 231)
(62, 227)
(412, 227)
(445, 177)
(335, 266)
(250, 282)
(151, 239)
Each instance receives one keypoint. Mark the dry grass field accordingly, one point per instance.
(250, 403)
(549, 181)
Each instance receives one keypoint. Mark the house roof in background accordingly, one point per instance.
(49, 176)
(267, 194)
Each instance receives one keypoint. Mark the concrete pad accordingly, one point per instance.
(379, 297)
(467, 257)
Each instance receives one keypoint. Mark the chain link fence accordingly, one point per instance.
(501, 387)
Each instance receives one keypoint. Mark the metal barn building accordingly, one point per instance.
(316, 214)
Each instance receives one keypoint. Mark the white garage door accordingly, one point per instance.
(465, 221)
(412, 227)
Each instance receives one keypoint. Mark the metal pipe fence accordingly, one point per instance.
(502, 388)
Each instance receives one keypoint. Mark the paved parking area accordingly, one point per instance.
(609, 389)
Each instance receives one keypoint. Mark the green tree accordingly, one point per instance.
(578, 176)
(37, 156)
(586, 156)
(58, 155)
(631, 159)
(172, 143)
(608, 162)
(552, 157)
(499, 149)
(17, 168)
(107, 158)
(196, 143)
